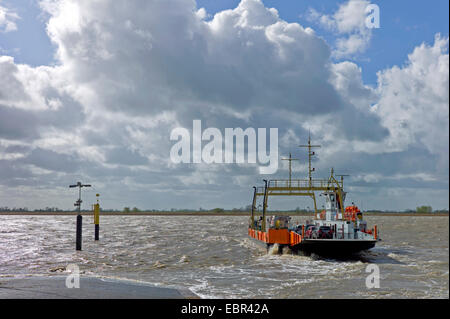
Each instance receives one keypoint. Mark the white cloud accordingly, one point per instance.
(128, 73)
(414, 99)
(411, 102)
(347, 79)
(242, 58)
(7, 20)
(349, 22)
(28, 88)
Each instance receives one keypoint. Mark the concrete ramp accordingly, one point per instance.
(54, 287)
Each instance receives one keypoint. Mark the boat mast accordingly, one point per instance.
(290, 159)
(342, 179)
(310, 170)
(310, 155)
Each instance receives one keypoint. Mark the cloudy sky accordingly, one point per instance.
(91, 90)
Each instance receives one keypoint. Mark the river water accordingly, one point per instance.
(214, 258)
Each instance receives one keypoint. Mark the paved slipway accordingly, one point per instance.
(55, 287)
(212, 257)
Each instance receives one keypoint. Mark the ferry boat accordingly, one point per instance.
(335, 231)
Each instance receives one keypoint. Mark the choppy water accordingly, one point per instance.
(213, 257)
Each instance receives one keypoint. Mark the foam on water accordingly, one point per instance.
(214, 257)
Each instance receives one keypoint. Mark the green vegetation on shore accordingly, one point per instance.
(237, 211)
(205, 213)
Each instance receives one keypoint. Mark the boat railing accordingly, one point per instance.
(298, 183)
(260, 190)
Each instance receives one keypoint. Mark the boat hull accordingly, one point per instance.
(323, 247)
(333, 247)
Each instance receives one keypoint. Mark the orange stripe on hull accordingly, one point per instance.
(295, 238)
(278, 236)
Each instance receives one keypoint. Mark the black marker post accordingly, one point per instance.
(79, 217)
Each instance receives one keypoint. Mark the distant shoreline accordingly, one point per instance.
(206, 213)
